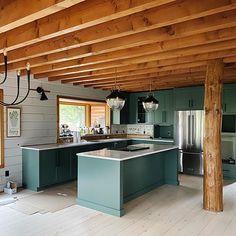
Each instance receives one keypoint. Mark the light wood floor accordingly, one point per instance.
(168, 210)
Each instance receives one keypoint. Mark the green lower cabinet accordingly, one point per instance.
(63, 166)
(73, 163)
(47, 170)
(42, 169)
(229, 171)
(105, 185)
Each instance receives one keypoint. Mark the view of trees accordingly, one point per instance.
(73, 116)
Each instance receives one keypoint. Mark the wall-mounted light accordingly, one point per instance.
(43, 95)
(43, 92)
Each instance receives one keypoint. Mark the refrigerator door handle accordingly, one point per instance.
(189, 128)
(193, 130)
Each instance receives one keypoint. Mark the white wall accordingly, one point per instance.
(38, 120)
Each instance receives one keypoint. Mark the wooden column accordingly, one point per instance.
(213, 190)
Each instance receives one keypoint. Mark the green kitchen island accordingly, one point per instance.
(109, 178)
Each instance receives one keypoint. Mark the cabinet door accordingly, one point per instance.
(63, 165)
(197, 98)
(47, 167)
(229, 98)
(158, 116)
(229, 171)
(168, 101)
(133, 109)
(191, 98)
(182, 99)
(160, 97)
(74, 162)
(169, 117)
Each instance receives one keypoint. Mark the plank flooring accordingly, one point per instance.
(168, 210)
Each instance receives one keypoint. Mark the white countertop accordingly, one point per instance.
(50, 146)
(118, 155)
(164, 140)
(42, 147)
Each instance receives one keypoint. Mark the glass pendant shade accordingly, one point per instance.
(115, 100)
(150, 103)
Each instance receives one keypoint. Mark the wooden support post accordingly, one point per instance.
(213, 190)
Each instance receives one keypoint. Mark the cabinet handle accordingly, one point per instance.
(163, 116)
(189, 103)
(192, 103)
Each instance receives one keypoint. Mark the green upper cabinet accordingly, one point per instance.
(191, 98)
(229, 98)
(121, 117)
(133, 108)
(164, 114)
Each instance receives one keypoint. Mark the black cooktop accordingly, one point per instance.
(131, 148)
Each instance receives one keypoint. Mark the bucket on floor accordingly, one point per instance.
(11, 187)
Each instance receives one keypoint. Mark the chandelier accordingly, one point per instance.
(15, 101)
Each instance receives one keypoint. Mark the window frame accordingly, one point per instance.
(2, 159)
(87, 110)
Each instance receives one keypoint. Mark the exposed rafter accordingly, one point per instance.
(92, 42)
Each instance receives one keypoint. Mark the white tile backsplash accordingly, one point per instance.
(133, 129)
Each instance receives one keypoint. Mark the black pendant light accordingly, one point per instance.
(115, 100)
(15, 101)
(150, 104)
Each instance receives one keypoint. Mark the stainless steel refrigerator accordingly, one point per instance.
(189, 138)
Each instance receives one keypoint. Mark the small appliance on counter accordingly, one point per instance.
(66, 135)
(163, 131)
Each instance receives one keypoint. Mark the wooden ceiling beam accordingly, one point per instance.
(186, 66)
(78, 53)
(127, 70)
(193, 58)
(120, 28)
(228, 73)
(146, 79)
(17, 13)
(164, 84)
(126, 75)
(142, 87)
(84, 15)
(145, 88)
(134, 58)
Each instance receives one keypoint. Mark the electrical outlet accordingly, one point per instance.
(7, 173)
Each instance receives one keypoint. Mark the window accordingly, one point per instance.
(1, 132)
(72, 115)
(78, 113)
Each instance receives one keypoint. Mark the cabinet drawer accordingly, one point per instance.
(229, 171)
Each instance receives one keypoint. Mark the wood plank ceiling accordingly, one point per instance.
(92, 43)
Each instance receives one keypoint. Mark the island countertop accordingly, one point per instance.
(118, 155)
(50, 146)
